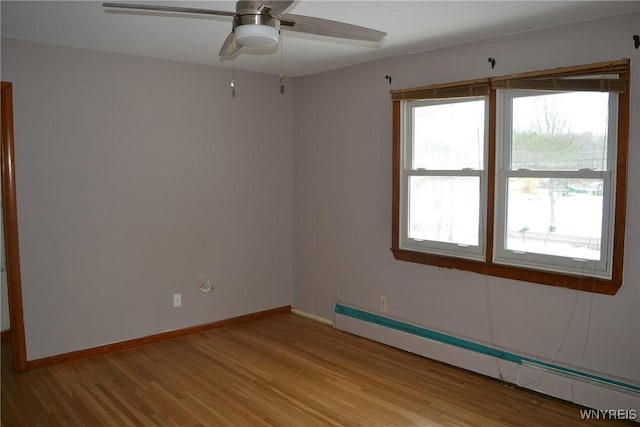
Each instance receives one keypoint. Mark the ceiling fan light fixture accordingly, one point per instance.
(257, 24)
(256, 35)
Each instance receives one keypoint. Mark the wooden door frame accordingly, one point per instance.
(10, 213)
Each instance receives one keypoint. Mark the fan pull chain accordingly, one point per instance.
(281, 66)
(233, 79)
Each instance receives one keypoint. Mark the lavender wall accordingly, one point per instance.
(342, 207)
(140, 178)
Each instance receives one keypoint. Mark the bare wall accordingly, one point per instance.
(342, 207)
(140, 178)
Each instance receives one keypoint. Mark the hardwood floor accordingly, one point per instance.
(281, 370)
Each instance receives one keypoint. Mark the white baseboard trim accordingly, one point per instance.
(312, 316)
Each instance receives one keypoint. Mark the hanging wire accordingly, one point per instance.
(603, 164)
(492, 333)
(481, 164)
(564, 337)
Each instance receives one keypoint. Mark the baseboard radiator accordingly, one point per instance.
(579, 386)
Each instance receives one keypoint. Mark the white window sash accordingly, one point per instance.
(472, 252)
(501, 255)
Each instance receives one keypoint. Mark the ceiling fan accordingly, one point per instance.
(258, 24)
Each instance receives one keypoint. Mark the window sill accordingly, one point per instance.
(583, 283)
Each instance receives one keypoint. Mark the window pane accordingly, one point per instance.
(449, 136)
(444, 209)
(555, 216)
(563, 131)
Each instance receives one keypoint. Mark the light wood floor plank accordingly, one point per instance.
(282, 370)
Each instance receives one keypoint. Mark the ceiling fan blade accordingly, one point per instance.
(230, 46)
(276, 7)
(279, 6)
(173, 9)
(326, 27)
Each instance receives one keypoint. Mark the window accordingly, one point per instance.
(521, 176)
(444, 161)
(554, 181)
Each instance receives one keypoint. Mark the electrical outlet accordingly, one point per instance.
(384, 306)
(177, 300)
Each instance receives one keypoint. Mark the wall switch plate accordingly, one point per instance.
(177, 300)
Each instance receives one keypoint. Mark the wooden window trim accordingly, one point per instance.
(488, 267)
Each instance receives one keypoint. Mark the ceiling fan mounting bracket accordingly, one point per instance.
(256, 19)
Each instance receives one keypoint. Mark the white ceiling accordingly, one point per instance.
(412, 26)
